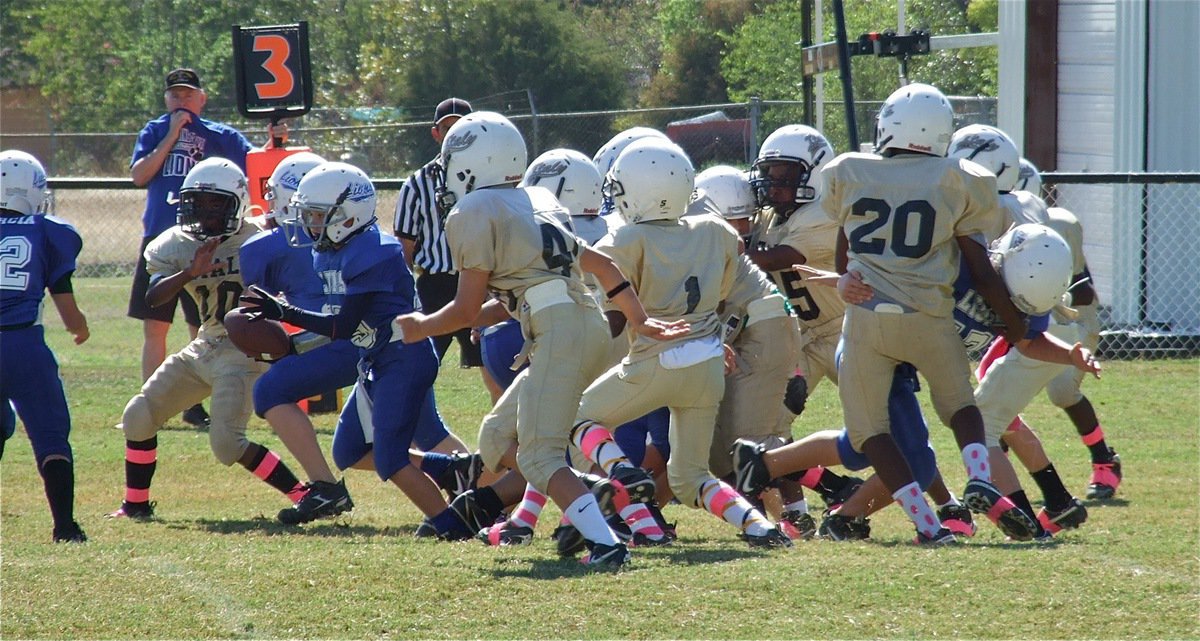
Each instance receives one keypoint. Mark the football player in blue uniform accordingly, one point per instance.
(38, 253)
(366, 284)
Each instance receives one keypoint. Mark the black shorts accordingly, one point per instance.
(436, 290)
(166, 312)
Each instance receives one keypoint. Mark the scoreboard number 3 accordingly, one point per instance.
(278, 50)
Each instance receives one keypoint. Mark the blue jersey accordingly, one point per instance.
(271, 263)
(35, 251)
(369, 263)
(976, 320)
(198, 140)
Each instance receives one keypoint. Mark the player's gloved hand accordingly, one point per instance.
(796, 394)
(259, 305)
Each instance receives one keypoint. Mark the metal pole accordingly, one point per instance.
(807, 85)
(839, 13)
(755, 122)
(534, 113)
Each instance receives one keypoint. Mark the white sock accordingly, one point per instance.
(585, 515)
(975, 457)
(799, 506)
(917, 508)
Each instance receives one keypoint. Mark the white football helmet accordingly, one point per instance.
(992, 149)
(797, 144)
(214, 199)
(652, 179)
(1029, 179)
(729, 189)
(1036, 265)
(22, 183)
(482, 149)
(916, 117)
(286, 178)
(571, 176)
(332, 203)
(607, 155)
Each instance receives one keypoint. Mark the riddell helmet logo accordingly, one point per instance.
(916, 147)
(460, 141)
(548, 169)
(979, 143)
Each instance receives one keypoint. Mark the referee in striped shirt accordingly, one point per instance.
(421, 229)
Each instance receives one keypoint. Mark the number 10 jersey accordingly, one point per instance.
(216, 292)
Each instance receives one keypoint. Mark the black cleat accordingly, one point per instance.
(802, 522)
(636, 481)
(1106, 477)
(837, 527)
(774, 538)
(471, 513)
(568, 540)
(957, 519)
(197, 417)
(749, 469)
(983, 498)
(462, 475)
(837, 497)
(1067, 518)
(142, 511)
(425, 530)
(941, 537)
(323, 500)
(70, 534)
(608, 557)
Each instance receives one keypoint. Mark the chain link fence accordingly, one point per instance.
(1142, 241)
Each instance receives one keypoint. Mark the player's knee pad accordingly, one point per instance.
(495, 439)
(137, 421)
(227, 445)
(1064, 390)
(538, 462)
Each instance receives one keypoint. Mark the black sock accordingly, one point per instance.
(831, 482)
(58, 475)
(1022, 503)
(1056, 494)
(139, 475)
(1100, 452)
(280, 478)
(489, 501)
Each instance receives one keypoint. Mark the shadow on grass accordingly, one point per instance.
(557, 568)
(331, 528)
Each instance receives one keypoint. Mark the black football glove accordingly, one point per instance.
(260, 305)
(796, 394)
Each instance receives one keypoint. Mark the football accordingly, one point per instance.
(263, 339)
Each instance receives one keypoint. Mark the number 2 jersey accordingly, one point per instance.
(901, 216)
(216, 292)
(516, 235)
(35, 252)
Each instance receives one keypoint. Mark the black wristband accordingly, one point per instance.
(612, 293)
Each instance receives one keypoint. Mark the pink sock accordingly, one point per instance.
(597, 444)
(527, 513)
(720, 500)
(639, 519)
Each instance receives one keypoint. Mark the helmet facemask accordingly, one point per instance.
(772, 181)
(209, 213)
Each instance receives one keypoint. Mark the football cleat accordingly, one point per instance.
(636, 481)
(957, 519)
(323, 500)
(839, 527)
(425, 530)
(983, 498)
(197, 417)
(136, 511)
(505, 533)
(773, 538)
(462, 475)
(1106, 477)
(568, 540)
(801, 524)
(750, 472)
(470, 513)
(941, 537)
(837, 497)
(607, 556)
(1070, 517)
(70, 534)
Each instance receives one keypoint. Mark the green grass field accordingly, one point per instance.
(216, 565)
